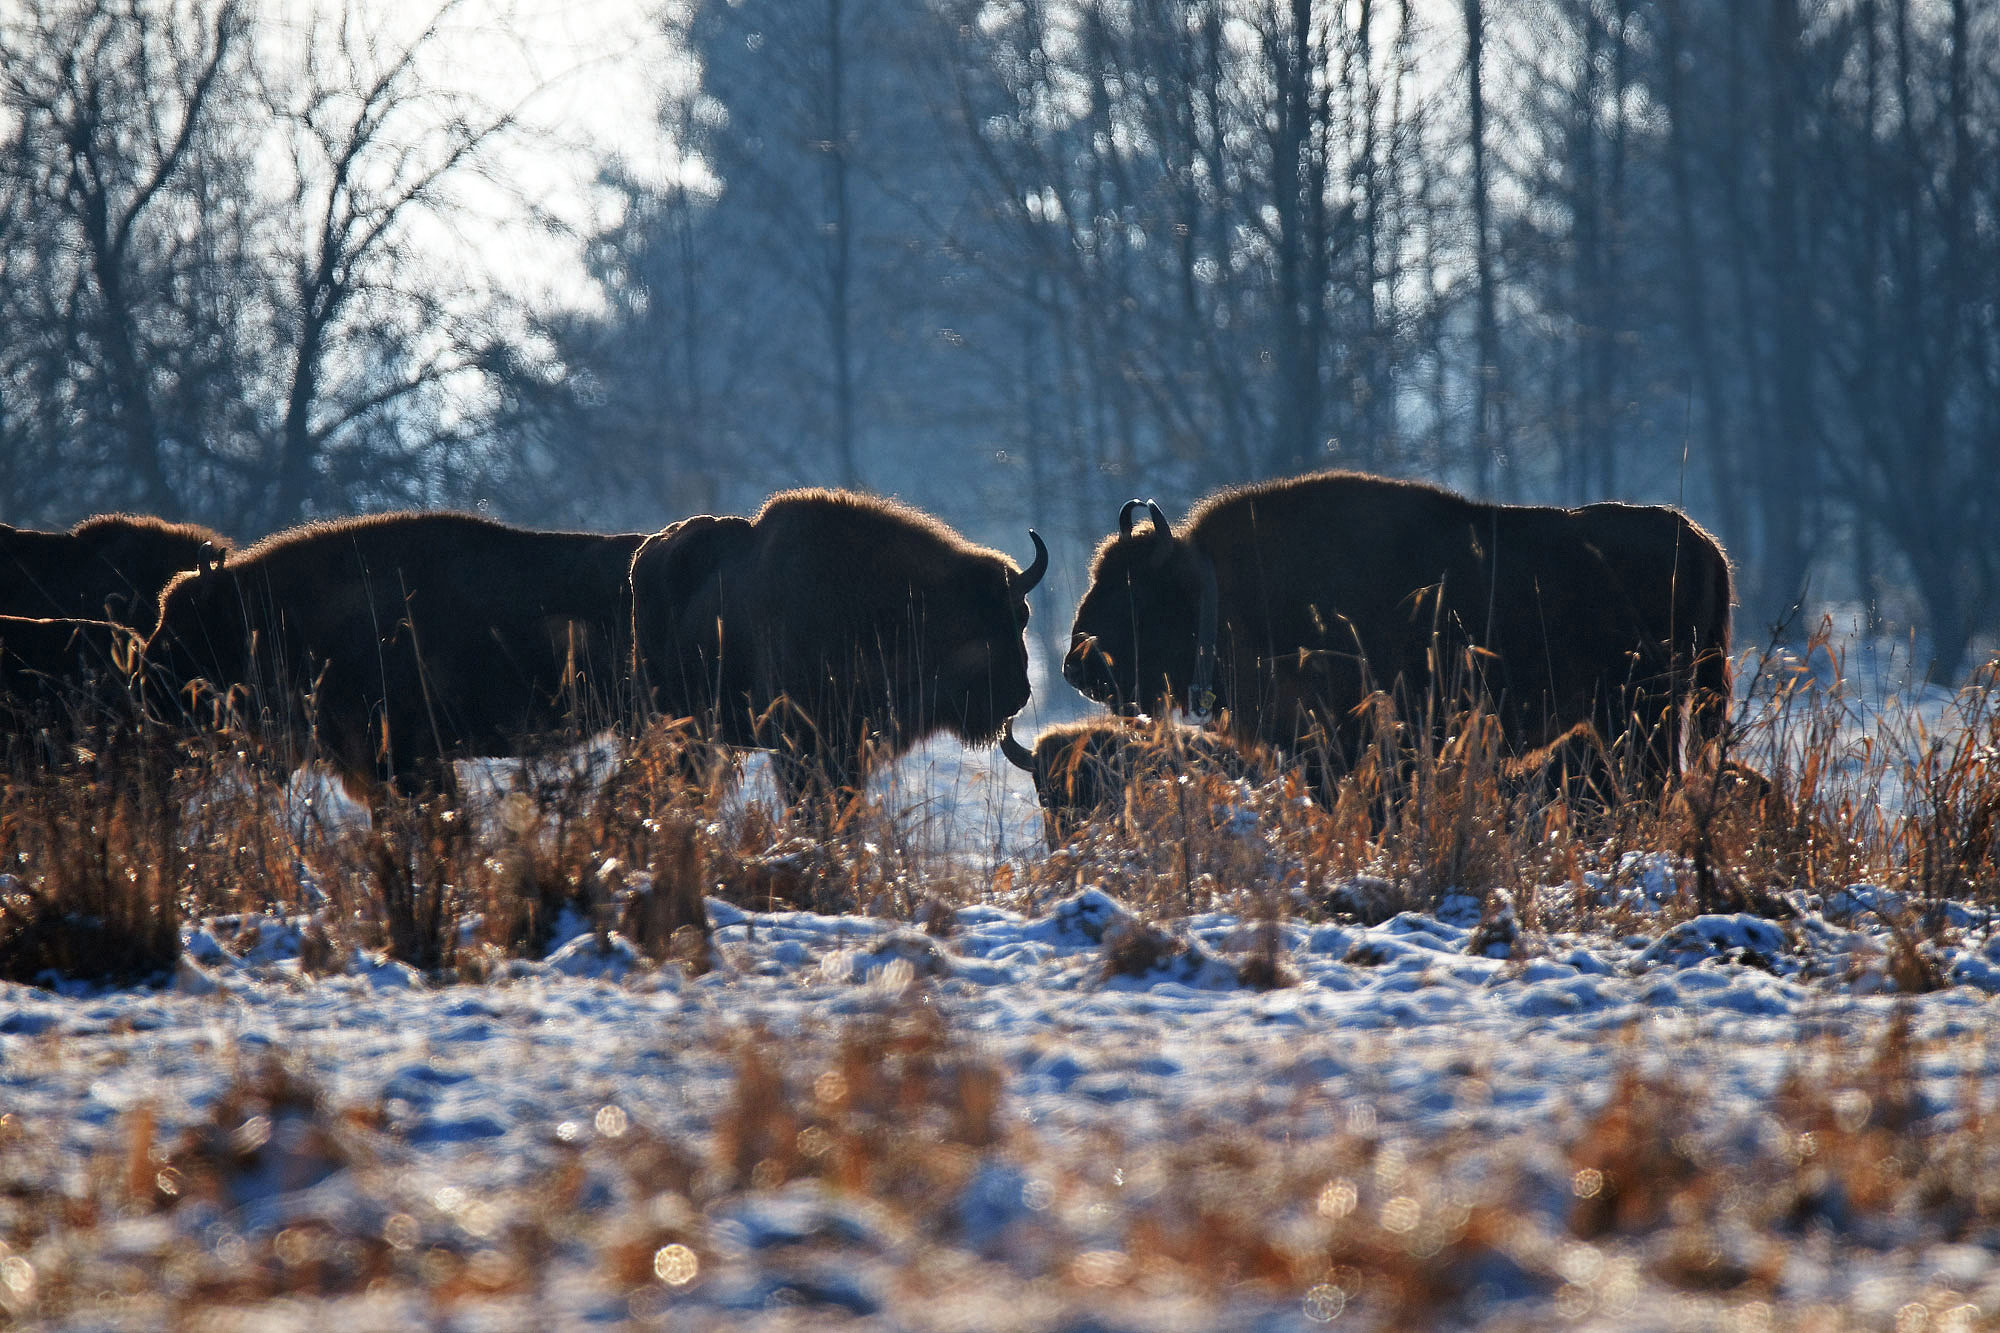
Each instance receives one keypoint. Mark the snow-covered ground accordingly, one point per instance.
(1460, 1084)
(1443, 1122)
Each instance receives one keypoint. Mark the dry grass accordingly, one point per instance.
(107, 854)
(1314, 1205)
(1787, 802)
(895, 1123)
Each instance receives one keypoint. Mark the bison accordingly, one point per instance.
(111, 567)
(831, 628)
(398, 642)
(1287, 604)
(1082, 769)
(71, 605)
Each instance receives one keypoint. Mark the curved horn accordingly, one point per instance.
(1161, 528)
(1017, 754)
(1025, 581)
(1125, 515)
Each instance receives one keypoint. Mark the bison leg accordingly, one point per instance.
(815, 785)
(1646, 728)
(818, 777)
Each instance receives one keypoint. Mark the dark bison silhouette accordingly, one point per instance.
(832, 628)
(1675, 581)
(1082, 769)
(1287, 603)
(111, 567)
(72, 605)
(398, 642)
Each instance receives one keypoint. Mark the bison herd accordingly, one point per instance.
(836, 630)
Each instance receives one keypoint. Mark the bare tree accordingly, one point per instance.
(1703, 388)
(120, 145)
(1486, 446)
(368, 353)
(1911, 345)
(221, 289)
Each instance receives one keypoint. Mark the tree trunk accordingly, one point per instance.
(840, 258)
(1300, 208)
(1487, 447)
(1790, 490)
(1704, 381)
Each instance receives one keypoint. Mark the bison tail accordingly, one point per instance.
(1712, 691)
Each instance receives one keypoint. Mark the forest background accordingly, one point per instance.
(1020, 260)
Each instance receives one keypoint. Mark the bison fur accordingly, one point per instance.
(111, 567)
(1289, 604)
(398, 642)
(832, 628)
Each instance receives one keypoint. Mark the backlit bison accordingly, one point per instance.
(1287, 603)
(111, 567)
(1676, 580)
(398, 642)
(831, 628)
(71, 605)
(1082, 769)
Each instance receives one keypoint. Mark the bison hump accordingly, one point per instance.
(672, 566)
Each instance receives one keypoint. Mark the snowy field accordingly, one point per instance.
(1446, 1120)
(1420, 1092)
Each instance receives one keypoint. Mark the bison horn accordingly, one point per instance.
(1160, 525)
(1017, 754)
(1125, 515)
(1029, 577)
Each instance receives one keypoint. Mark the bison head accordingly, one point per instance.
(188, 643)
(134, 557)
(1144, 635)
(976, 649)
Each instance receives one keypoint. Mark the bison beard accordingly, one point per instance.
(831, 629)
(401, 641)
(1321, 589)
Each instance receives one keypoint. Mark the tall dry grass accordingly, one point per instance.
(107, 853)
(1793, 803)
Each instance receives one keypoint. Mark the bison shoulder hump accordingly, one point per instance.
(675, 563)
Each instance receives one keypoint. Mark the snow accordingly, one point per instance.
(472, 1130)
(485, 1092)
